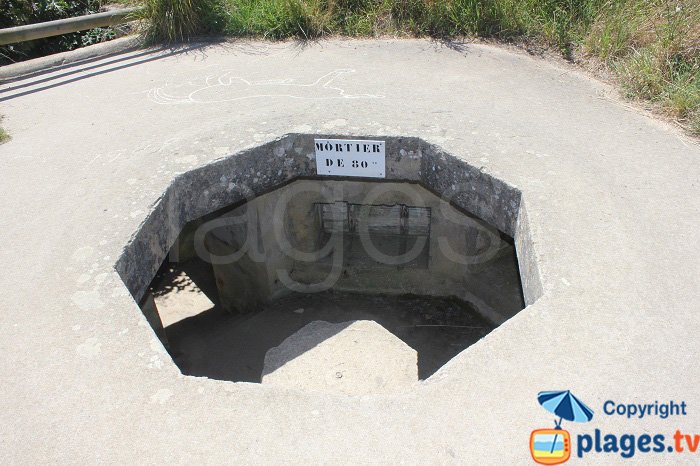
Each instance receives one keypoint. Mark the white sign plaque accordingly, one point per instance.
(345, 157)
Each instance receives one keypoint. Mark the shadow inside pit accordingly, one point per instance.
(222, 346)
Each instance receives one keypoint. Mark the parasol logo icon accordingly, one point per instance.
(553, 446)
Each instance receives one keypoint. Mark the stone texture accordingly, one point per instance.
(252, 266)
(258, 170)
(354, 358)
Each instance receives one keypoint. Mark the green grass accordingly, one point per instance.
(560, 22)
(179, 20)
(652, 47)
(554, 20)
(4, 135)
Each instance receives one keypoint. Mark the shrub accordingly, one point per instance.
(22, 12)
(179, 20)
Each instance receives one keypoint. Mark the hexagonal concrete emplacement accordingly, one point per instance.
(355, 358)
(453, 222)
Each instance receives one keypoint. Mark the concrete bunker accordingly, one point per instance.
(243, 261)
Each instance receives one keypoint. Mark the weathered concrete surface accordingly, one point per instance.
(235, 179)
(354, 358)
(612, 207)
(492, 286)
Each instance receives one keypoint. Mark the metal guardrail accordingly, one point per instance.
(65, 26)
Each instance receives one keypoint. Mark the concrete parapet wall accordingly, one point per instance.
(241, 177)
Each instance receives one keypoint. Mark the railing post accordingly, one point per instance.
(65, 26)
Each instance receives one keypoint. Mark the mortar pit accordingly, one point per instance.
(240, 281)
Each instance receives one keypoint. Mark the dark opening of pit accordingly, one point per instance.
(219, 318)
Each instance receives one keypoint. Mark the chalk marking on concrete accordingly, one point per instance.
(271, 88)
